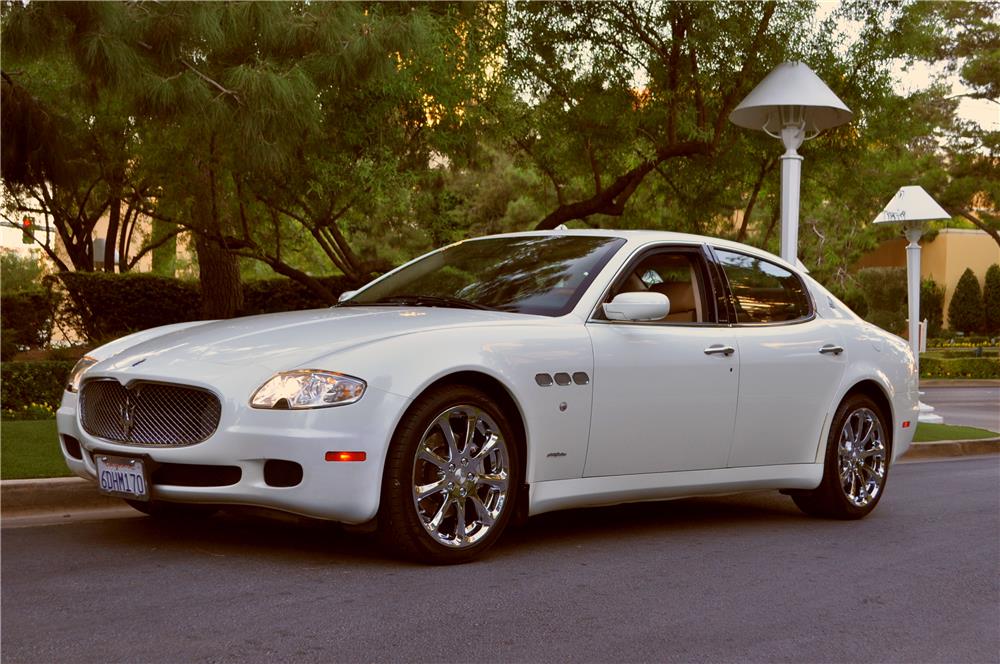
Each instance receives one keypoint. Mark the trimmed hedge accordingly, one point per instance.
(272, 295)
(962, 342)
(25, 383)
(953, 354)
(966, 367)
(884, 290)
(28, 318)
(104, 306)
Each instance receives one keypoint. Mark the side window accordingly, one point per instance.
(677, 274)
(763, 291)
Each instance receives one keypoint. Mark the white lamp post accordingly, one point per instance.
(913, 208)
(794, 105)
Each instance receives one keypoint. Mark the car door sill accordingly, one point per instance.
(613, 490)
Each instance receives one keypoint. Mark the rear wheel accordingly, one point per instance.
(451, 477)
(856, 465)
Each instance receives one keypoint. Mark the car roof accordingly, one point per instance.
(638, 238)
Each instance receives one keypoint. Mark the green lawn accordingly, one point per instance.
(927, 433)
(30, 449)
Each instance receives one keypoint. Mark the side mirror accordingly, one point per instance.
(346, 295)
(637, 306)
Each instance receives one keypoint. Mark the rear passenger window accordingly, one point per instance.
(763, 291)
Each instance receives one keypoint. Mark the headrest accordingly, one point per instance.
(680, 294)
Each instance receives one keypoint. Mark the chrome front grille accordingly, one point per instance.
(157, 414)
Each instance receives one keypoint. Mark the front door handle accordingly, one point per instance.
(719, 349)
(830, 349)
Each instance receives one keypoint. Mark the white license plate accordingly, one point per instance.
(124, 477)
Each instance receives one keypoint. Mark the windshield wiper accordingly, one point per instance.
(432, 301)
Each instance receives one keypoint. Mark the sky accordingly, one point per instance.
(920, 75)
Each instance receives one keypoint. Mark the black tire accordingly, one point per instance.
(402, 516)
(838, 497)
(163, 510)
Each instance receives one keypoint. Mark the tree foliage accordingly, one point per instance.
(965, 311)
(932, 306)
(991, 300)
(310, 139)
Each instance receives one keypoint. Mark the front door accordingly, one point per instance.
(665, 392)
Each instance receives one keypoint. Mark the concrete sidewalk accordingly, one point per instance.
(64, 494)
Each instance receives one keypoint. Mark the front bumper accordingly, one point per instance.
(247, 438)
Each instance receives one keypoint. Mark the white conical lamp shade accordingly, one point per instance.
(911, 203)
(791, 84)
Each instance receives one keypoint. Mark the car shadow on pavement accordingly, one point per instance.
(262, 534)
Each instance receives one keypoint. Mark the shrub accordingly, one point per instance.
(102, 305)
(855, 299)
(961, 342)
(991, 300)
(25, 383)
(965, 311)
(932, 306)
(979, 351)
(884, 290)
(8, 348)
(20, 272)
(271, 295)
(28, 317)
(931, 367)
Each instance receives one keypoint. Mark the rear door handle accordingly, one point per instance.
(719, 349)
(830, 349)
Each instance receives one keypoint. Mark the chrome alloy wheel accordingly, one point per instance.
(862, 457)
(461, 476)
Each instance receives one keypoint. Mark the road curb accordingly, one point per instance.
(54, 494)
(952, 448)
(959, 382)
(20, 497)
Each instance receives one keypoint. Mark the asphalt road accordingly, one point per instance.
(723, 579)
(970, 406)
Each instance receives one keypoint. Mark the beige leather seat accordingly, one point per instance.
(682, 302)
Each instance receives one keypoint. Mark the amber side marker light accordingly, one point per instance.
(346, 456)
(906, 424)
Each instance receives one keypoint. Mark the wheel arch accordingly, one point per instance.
(495, 389)
(875, 391)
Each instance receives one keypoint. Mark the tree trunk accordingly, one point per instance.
(111, 236)
(218, 268)
(219, 274)
(164, 256)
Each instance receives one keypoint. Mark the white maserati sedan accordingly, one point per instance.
(503, 377)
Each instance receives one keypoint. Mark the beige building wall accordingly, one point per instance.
(942, 259)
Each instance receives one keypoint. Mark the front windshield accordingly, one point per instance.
(539, 274)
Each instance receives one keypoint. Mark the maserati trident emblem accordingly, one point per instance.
(126, 415)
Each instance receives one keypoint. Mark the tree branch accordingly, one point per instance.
(222, 89)
(979, 223)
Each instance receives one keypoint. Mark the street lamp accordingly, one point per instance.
(794, 105)
(913, 208)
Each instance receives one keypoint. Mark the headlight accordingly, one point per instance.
(308, 388)
(84, 363)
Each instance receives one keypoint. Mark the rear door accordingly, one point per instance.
(791, 363)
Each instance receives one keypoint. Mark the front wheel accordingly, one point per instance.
(856, 464)
(451, 477)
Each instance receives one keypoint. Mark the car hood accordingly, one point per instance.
(283, 341)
